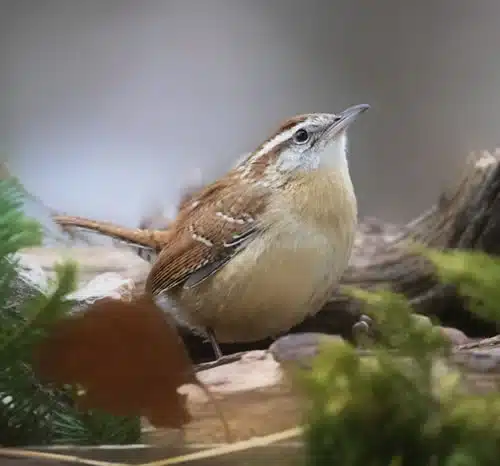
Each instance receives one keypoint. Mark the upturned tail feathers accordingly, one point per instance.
(153, 239)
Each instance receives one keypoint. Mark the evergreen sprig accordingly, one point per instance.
(32, 413)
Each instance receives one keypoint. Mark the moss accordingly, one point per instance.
(398, 405)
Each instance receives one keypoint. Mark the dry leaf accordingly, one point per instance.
(127, 356)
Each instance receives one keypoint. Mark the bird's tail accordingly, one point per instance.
(151, 239)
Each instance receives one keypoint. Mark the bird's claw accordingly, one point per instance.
(363, 330)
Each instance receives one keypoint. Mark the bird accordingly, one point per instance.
(255, 252)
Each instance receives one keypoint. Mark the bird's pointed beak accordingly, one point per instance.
(344, 119)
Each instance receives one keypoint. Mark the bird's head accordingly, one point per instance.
(304, 143)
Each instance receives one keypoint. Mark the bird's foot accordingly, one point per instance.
(220, 359)
(363, 331)
(228, 358)
(215, 346)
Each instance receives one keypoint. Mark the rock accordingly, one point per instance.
(253, 394)
(455, 336)
(30, 272)
(30, 281)
(92, 261)
(105, 285)
(104, 272)
(254, 370)
(299, 348)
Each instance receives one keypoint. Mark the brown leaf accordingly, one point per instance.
(127, 356)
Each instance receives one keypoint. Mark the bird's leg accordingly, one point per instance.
(215, 345)
(220, 359)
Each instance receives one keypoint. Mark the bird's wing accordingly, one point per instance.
(208, 232)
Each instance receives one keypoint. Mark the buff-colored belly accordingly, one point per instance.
(269, 287)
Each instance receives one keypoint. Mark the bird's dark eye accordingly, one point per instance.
(301, 136)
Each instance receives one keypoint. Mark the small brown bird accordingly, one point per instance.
(260, 249)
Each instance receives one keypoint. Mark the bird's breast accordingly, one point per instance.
(285, 273)
(280, 278)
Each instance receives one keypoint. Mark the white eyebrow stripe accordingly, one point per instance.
(271, 144)
(278, 139)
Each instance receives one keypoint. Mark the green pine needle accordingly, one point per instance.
(32, 413)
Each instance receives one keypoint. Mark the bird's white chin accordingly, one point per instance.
(334, 154)
(331, 156)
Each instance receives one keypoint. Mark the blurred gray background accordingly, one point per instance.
(110, 106)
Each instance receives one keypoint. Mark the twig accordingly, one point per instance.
(255, 442)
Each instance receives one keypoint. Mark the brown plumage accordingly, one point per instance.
(153, 239)
(252, 254)
(206, 234)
